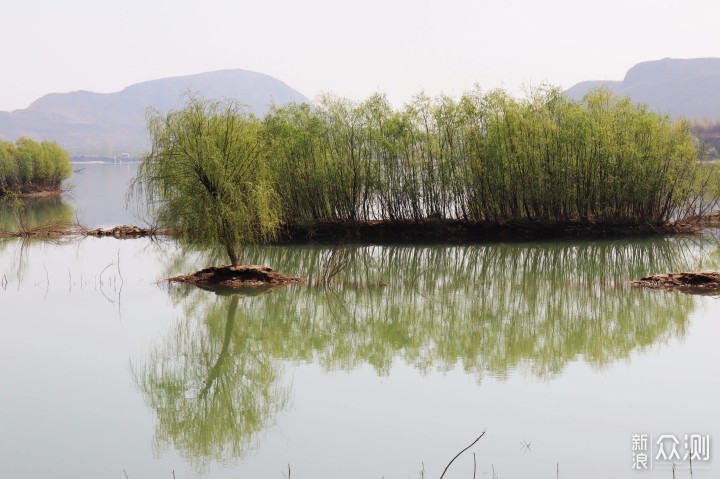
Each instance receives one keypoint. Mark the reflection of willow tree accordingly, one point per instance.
(211, 384)
(492, 309)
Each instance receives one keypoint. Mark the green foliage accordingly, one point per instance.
(207, 176)
(29, 166)
(224, 178)
(295, 137)
(485, 157)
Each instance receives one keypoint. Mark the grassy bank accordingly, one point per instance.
(31, 168)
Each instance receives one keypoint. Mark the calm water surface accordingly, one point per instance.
(394, 367)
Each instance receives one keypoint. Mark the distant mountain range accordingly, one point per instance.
(689, 88)
(87, 123)
(680, 88)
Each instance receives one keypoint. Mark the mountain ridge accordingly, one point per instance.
(679, 87)
(90, 123)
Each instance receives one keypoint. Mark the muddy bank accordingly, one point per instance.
(33, 192)
(38, 192)
(125, 231)
(42, 193)
(54, 230)
(244, 276)
(450, 231)
(704, 221)
(690, 282)
(429, 231)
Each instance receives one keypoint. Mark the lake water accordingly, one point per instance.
(389, 371)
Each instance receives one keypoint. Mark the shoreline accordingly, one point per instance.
(408, 232)
(39, 193)
(59, 230)
(461, 231)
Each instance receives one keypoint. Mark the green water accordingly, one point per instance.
(394, 365)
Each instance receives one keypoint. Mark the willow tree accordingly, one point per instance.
(206, 177)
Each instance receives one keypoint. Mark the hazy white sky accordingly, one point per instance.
(350, 48)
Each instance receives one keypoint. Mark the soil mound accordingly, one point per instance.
(701, 282)
(237, 277)
(124, 231)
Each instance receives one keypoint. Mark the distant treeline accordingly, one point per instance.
(484, 158)
(28, 166)
(707, 132)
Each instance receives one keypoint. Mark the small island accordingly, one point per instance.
(32, 169)
(443, 169)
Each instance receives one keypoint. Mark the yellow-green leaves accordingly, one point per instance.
(31, 166)
(225, 178)
(207, 176)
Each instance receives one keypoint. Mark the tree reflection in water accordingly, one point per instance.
(215, 384)
(211, 384)
(33, 212)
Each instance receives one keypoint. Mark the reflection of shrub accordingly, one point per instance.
(490, 308)
(33, 212)
(29, 166)
(215, 380)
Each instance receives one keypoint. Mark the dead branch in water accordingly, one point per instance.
(459, 453)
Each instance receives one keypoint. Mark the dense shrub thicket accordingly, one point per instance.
(484, 157)
(222, 175)
(28, 166)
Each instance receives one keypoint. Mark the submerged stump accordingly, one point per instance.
(237, 277)
(691, 282)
